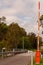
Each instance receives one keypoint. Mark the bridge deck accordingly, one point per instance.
(20, 59)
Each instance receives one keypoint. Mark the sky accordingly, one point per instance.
(23, 12)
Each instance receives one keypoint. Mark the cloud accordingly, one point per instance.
(23, 12)
(20, 6)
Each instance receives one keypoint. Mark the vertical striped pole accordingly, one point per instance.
(38, 50)
(38, 24)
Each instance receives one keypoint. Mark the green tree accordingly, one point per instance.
(27, 43)
(2, 44)
(24, 43)
(3, 31)
(15, 32)
(3, 18)
(41, 22)
(33, 40)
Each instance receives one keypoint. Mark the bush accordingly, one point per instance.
(41, 51)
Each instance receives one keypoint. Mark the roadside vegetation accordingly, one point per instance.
(13, 36)
(41, 62)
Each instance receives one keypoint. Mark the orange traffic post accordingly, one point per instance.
(37, 58)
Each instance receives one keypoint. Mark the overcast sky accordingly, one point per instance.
(24, 12)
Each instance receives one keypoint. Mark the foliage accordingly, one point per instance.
(41, 18)
(24, 41)
(33, 40)
(27, 43)
(3, 18)
(14, 36)
(2, 44)
(41, 62)
(3, 30)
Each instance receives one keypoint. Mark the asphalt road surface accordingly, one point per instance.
(20, 59)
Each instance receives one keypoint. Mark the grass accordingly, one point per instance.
(38, 64)
(33, 49)
(41, 62)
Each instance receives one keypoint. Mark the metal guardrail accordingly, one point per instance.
(23, 51)
(10, 53)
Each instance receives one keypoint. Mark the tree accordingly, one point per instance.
(3, 30)
(33, 40)
(0, 20)
(3, 18)
(2, 44)
(15, 32)
(41, 22)
(24, 43)
(27, 43)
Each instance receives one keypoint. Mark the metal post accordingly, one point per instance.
(23, 42)
(2, 53)
(31, 58)
(38, 40)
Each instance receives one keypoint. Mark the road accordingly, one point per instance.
(20, 59)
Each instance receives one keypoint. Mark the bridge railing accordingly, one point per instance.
(11, 53)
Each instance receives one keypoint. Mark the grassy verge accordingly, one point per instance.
(41, 62)
(33, 50)
(38, 64)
